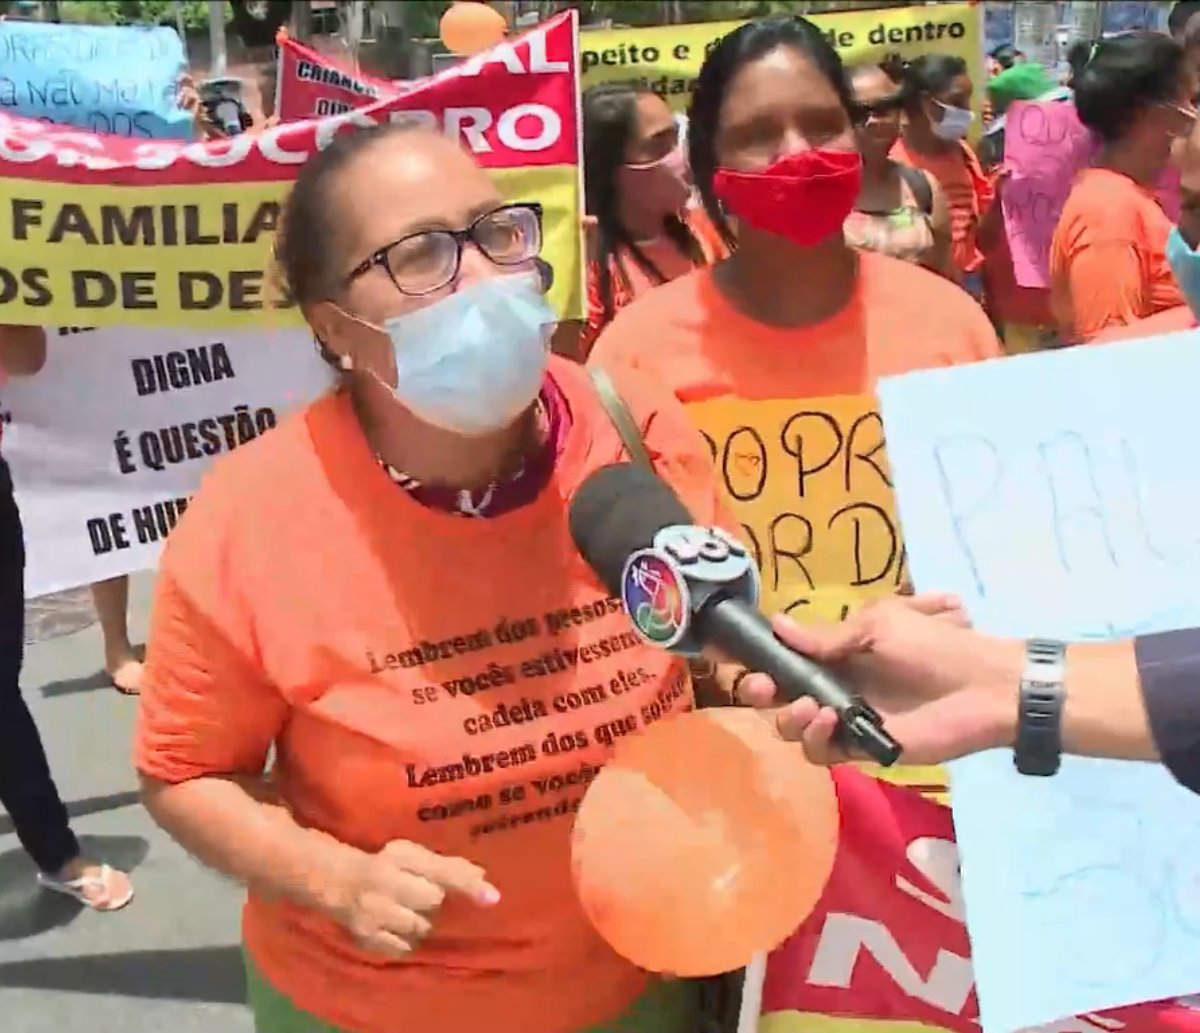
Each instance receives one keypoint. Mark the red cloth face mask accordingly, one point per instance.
(804, 197)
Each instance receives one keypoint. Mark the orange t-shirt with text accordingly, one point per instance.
(1108, 261)
(969, 194)
(793, 423)
(787, 464)
(1168, 321)
(453, 682)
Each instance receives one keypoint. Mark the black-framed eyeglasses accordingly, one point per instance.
(424, 262)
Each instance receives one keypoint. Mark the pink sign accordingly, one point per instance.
(1045, 147)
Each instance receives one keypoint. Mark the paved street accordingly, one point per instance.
(168, 963)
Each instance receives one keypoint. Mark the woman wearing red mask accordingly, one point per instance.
(642, 229)
(794, 311)
(776, 349)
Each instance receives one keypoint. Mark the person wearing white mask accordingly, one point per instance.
(384, 590)
(938, 117)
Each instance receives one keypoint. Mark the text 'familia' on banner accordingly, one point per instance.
(667, 58)
(157, 233)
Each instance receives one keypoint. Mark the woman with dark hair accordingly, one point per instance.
(795, 320)
(642, 231)
(937, 119)
(376, 591)
(1108, 264)
(900, 211)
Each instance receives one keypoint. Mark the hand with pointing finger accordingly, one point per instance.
(389, 901)
(944, 690)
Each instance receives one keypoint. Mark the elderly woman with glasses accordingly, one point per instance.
(384, 592)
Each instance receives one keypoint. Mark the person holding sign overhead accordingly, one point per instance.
(385, 590)
(27, 789)
(1108, 264)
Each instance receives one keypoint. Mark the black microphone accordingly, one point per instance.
(686, 587)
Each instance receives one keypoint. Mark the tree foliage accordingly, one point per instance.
(421, 17)
(134, 12)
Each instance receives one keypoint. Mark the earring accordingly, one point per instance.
(345, 363)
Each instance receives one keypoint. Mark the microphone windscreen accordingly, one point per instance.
(618, 510)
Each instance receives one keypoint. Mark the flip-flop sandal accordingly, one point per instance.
(78, 889)
(124, 691)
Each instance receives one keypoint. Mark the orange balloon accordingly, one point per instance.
(705, 840)
(468, 28)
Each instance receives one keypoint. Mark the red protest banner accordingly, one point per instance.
(514, 106)
(314, 85)
(886, 950)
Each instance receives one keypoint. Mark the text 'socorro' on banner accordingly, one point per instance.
(118, 232)
(668, 58)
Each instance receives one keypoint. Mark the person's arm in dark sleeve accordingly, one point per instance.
(1168, 668)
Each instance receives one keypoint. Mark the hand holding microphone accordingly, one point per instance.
(689, 588)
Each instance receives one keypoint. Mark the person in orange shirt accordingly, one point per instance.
(777, 349)
(642, 229)
(384, 590)
(938, 118)
(1182, 256)
(900, 211)
(1108, 263)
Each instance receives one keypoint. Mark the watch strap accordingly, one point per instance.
(1038, 749)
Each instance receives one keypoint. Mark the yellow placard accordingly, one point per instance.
(198, 255)
(667, 58)
(809, 481)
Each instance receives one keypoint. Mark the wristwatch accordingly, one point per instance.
(1038, 749)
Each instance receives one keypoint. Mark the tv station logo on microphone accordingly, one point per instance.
(655, 596)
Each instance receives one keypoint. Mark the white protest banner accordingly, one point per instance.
(110, 439)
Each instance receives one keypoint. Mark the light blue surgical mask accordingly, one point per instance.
(955, 123)
(474, 361)
(1185, 267)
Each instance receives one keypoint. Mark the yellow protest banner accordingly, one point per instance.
(200, 255)
(809, 481)
(667, 58)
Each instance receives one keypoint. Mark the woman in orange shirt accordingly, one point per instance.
(1108, 263)
(642, 230)
(937, 119)
(777, 349)
(384, 590)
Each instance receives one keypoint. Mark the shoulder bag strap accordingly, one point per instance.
(622, 419)
(719, 997)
